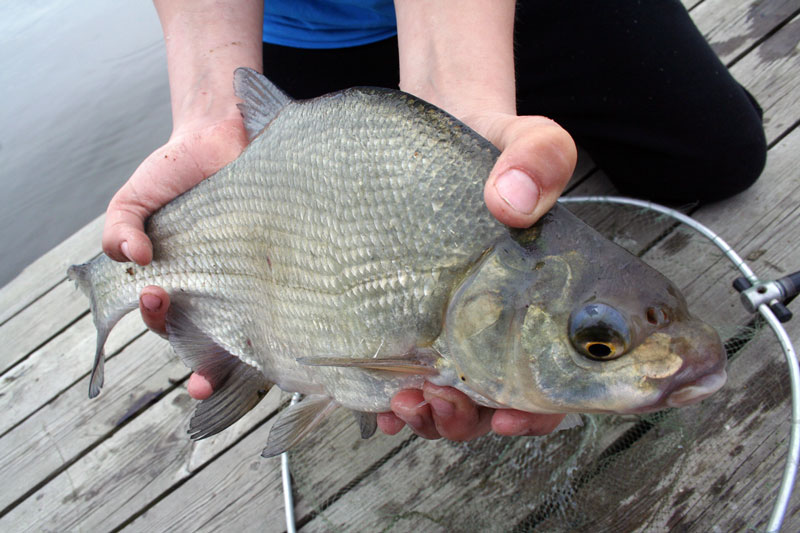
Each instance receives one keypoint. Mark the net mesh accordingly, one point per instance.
(699, 468)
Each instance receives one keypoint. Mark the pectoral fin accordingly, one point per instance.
(238, 386)
(297, 421)
(420, 361)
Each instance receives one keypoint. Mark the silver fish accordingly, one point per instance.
(348, 254)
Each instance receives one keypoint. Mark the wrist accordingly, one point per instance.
(205, 43)
(458, 55)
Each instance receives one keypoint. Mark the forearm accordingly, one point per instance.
(206, 41)
(458, 54)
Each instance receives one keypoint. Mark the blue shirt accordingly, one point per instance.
(328, 23)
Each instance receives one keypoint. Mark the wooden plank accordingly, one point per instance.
(56, 366)
(730, 480)
(733, 27)
(769, 72)
(485, 485)
(70, 424)
(38, 323)
(246, 488)
(122, 474)
(50, 269)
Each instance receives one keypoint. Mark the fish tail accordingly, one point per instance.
(105, 313)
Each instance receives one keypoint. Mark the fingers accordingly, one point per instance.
(160, 178)
(410, 407)
(153, 304)
(537, 159)
(517, 423)
(389, 423)
(199, 387)
(435, 412)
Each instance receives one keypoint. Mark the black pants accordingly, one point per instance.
(633, 82)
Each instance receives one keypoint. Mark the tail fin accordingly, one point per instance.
(105, 316)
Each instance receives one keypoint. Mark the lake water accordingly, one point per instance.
(83, 100)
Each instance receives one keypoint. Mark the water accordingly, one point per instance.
(83, 100)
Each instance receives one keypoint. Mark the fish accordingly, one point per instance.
(347, 254)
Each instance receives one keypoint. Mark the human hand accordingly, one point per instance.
(188, 157)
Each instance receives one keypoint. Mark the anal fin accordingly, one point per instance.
(241, 391)
(238, 386)
(295, 422)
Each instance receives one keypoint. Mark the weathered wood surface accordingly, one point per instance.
(123, 461)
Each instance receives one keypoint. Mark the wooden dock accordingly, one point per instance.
(124, 461)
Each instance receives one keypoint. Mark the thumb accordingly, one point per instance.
(538, 157)
(166, 173)
(176, 167)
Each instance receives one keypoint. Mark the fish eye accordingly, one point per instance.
(599, 332)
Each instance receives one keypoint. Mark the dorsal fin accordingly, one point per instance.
(263, 100)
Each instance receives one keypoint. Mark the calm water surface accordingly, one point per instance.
(83, 100)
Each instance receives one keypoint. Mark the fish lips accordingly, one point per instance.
(702, 373)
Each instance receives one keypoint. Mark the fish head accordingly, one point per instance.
(577, 325)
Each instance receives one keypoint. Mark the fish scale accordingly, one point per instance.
(347, 253)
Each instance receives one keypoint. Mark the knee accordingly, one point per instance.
(731, 164)
(705, 167)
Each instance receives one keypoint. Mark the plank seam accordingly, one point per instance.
(64, 467)
(178, 484)
(784, 134)
(354, 482)
(43, 343)
(758, 42)
(67, 387)
(36, 299)
(61, 280)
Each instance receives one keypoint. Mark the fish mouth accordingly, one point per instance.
(697, 390)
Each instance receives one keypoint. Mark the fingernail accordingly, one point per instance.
(423, 403)
(151, 302)
(442, 407)
(518, 190)
(414, 421)
(125, 251)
